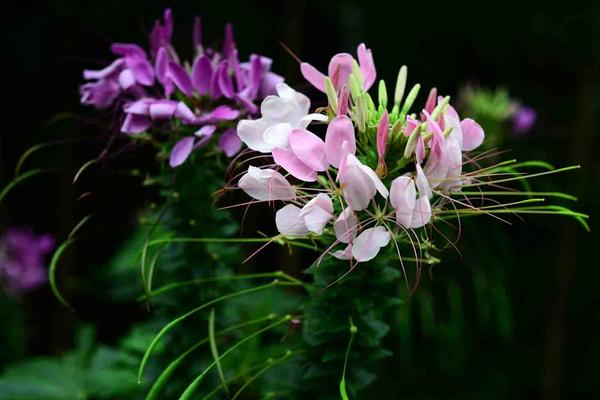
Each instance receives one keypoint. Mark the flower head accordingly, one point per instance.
(159, 91)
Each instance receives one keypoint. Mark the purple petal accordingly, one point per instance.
(225, 82)
(112, 70)
(228, 43)
(183, 111)
(288, 161)
(181, 151)
(126, 79)
(221, 113)
(204, 135)
(340, 130)
(141, 70)
(128, 50)
(197, 33)
(180, 77)
(202, 73)
(230, 142)
(215, 89)
(134, 124)
(162, 109)
(269, 84)
(99, 94)
(309, 148)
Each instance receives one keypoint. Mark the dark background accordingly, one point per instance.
(547, 56)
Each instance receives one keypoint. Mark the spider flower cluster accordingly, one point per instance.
(195, 101)
(377, 175)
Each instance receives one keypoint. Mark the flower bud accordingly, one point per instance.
(331, 94)
(383, 99)
(400, 85)
(410, 99)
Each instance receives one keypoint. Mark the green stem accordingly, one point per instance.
(177, 320)
(168, 372)
(186, 395)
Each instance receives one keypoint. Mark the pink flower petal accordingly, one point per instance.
(367, 65)
(367, 245)
(312, 75)
(383, 130)
(292, 164)
(340, 68)
(473, 134)
(343, 101)
(340, 130)
(309, 148)
(317, 213)
(345, 226)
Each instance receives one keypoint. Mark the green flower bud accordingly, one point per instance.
(412, 142)
(410, 99)
(440, 107)
(400, 85)
(383, 99)
(331, 94)
(359, 77)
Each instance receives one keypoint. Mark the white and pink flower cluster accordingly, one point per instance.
(344, 185)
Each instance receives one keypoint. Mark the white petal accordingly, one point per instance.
(289, 221)
(422, 213)
(317, 213)
(251, 133)
(345, 226)
(345, 254)
(357, 187)
(403, 197)
(367, 245)
(422, 182)
(266, 184)
(278, 135)
(306, 120)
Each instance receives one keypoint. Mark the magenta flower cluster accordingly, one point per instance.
(209, 95)
(22, 260)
